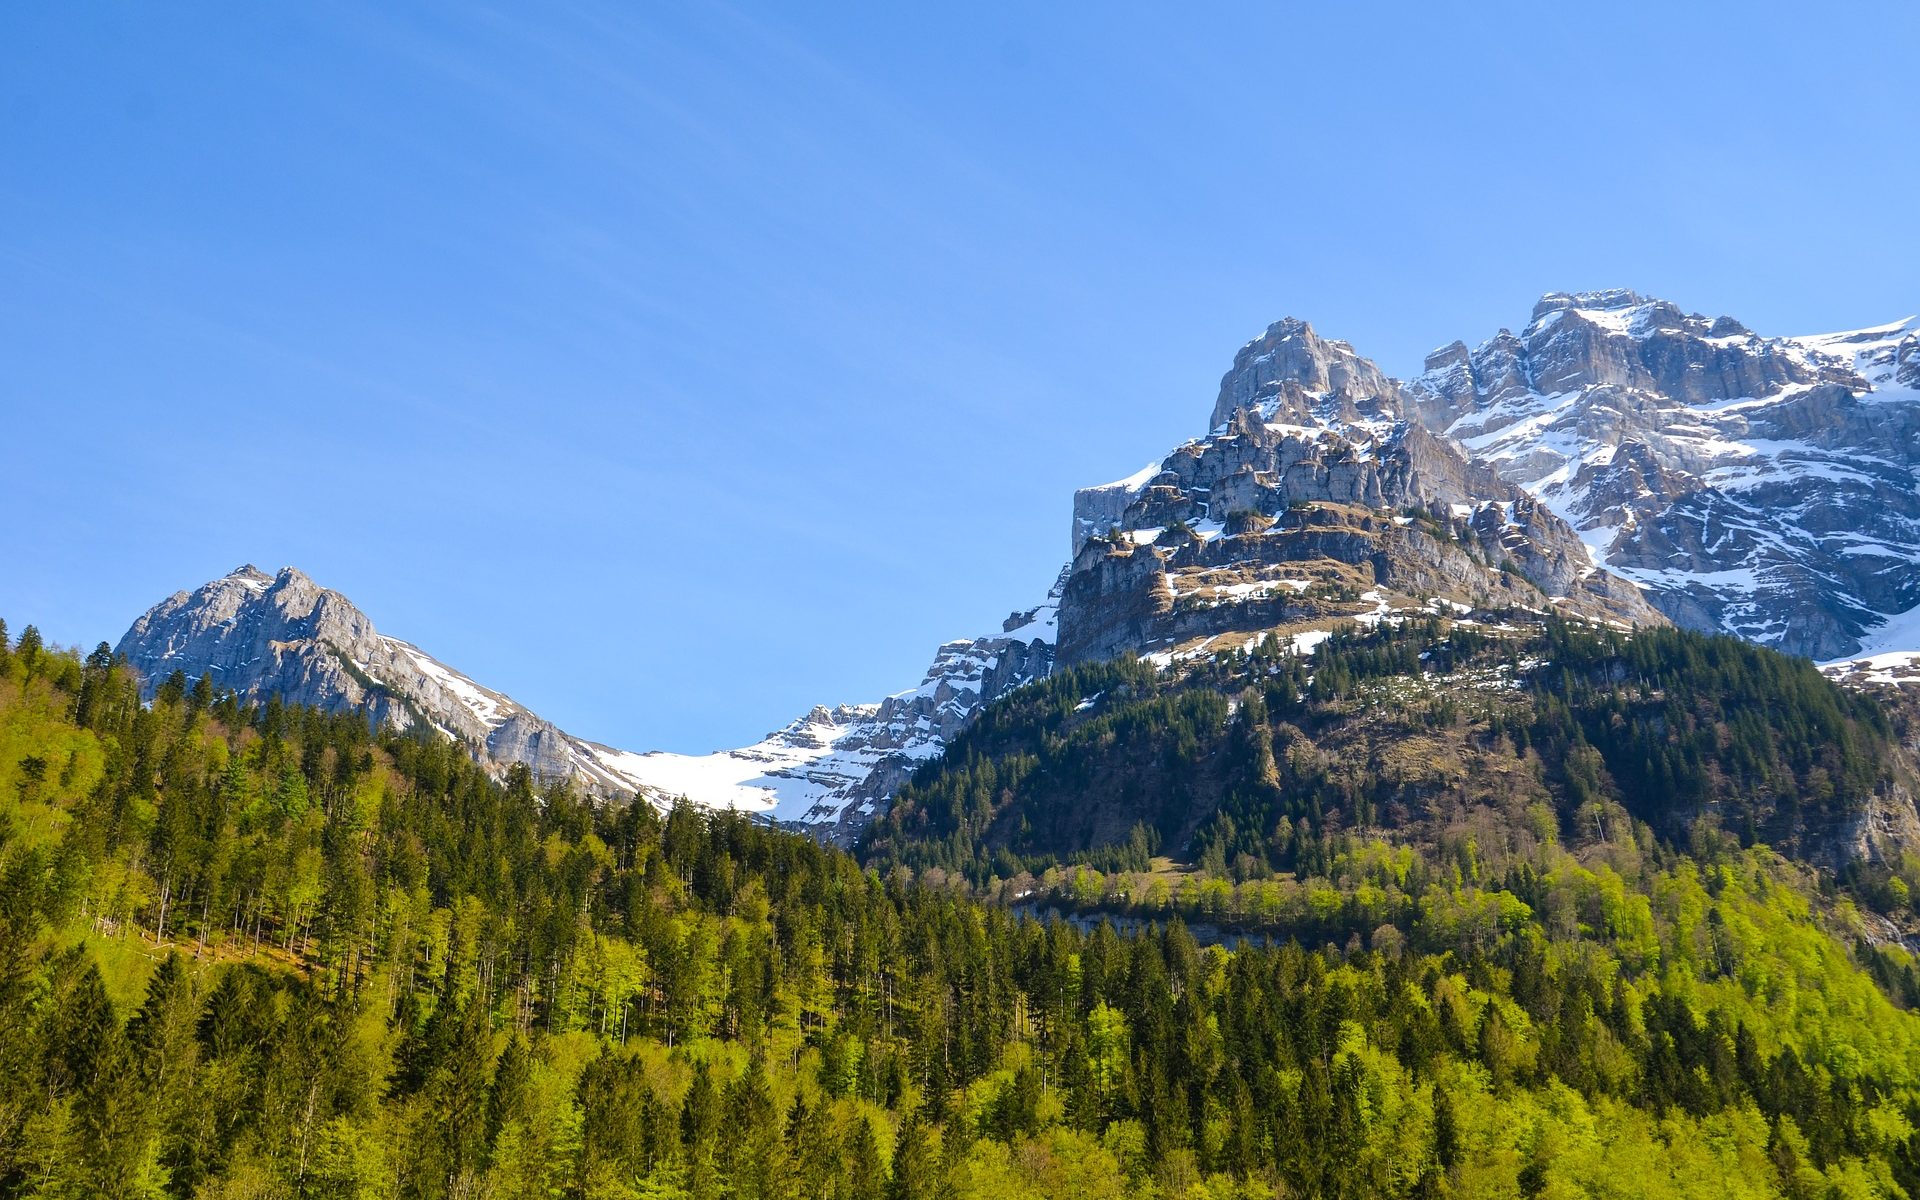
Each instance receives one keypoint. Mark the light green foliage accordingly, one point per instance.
(264, 953)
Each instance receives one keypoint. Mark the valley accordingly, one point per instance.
(1405, 789)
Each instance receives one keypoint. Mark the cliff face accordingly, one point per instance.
(1761, 486)
(1317, 498)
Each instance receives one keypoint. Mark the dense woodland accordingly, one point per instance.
(1266, 763)
(253, 952)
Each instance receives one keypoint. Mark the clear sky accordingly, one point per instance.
(675, 367)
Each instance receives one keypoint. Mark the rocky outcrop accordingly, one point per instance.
(909, 728)
(284, 635)
(1762, 486)
(1290, 352)
(1317, 497)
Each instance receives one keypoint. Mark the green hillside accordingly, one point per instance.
(263, 952)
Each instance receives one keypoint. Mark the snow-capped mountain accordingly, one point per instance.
(1764, 486)
(284, 635)
(1317, 498)
(1616, 452)
(832, 769)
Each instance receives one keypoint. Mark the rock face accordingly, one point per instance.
(264, 635)
(1763, 486)
(284, 635)
(1318, 498)
(1614, 453)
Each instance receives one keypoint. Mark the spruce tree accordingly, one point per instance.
(699, 1135)
(28, 650)
(914, 1164)
(860, 1152)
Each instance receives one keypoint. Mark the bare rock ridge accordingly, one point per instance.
(1318, 498)
(1761, 486)
(285, 635)
(1618, 461)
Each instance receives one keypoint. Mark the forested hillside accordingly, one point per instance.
(1430, 733)
(263, 952)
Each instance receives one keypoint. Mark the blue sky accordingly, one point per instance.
(674, 368)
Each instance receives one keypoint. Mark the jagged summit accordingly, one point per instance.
(1291, 352)
(1603, 300)
(285, 635)
(1763, 486)
(1622, 310)
(1318, 498)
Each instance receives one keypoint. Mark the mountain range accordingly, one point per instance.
(1619, 462)
(283, 635)
(1763, 486)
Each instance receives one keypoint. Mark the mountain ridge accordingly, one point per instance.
(1324, 495)
(1764, 486)
(285, 635)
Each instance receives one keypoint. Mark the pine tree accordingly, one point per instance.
(860, 1152)
(699, 1136)
(509, 1100)
(173, 690)
(913, 1161)
(754, 1156)
(458, 1090)
(1446, 1132)
(28, 650)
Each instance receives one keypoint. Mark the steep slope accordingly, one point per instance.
(1317, 498)
(1427, 735)
(283, 635)
(1764, 486)
(832, 769)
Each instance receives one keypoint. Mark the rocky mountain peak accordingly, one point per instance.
(1618, 311)
(1290, 352)
(1760, 485)
(1604, 300)
(1317, 500)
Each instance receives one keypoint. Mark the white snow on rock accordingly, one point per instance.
(1098, 507)
(1765, 486)
(1890, 655)
(785, 776)
(832, 768)
(488, 706)
(263, 634)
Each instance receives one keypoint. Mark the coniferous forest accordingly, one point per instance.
(1579, 928)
